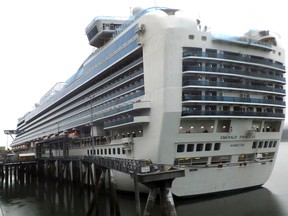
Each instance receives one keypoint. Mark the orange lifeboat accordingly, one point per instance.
(74, 134)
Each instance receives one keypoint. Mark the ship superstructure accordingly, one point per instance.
(160, 87)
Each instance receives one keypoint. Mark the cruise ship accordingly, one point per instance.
(163, 87)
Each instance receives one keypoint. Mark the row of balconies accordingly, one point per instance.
(229, 85)
(209, 113)
(229, 71)
(239, 57)
(232, 99)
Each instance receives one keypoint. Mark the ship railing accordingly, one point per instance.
(232, 85)
(118, 121)
(245, 58)
(134, 18)
(232, 99)
(195, 167)
(232, 71)
(129, 165)
(244, 40)
(231, 113)
(84, 116)
(110, 87)
(110, 103)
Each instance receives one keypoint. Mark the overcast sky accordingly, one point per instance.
(43, 42)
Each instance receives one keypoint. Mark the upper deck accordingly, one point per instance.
(102, 29)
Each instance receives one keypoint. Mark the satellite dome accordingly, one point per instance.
(137, 10)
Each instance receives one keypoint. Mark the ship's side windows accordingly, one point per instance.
(208, 146)
(260, 145)
(275, 144)
(114, 151)
(180, 148)
(190, 147)
(270, 144)
(191, 37)
(118, 151)
(254, 145)
(217, 146)
(203, 38)
(199, 147)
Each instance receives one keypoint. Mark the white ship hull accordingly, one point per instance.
(165, 89)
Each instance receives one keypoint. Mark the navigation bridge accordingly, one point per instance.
(95, 171)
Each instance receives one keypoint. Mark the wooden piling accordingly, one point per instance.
(98, 187)
(150, 201)
(136, 193)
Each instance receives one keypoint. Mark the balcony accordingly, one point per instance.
(238, 58)
(233, 71)
(128, 121)
(230, 85)
(232, 114)
(244, 41)
(206, 98)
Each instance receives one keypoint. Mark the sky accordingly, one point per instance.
(43, 42)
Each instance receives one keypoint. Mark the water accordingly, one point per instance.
(61, 200)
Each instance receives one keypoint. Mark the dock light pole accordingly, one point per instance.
(92, 130)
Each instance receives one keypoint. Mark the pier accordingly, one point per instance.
(95, 172)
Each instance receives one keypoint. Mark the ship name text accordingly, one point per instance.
(237, 137)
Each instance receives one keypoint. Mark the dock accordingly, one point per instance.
(94, 171)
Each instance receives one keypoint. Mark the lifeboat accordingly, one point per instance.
(74, 134)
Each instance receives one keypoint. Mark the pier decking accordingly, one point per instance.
(94, 171)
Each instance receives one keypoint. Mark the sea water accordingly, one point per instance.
(51, 198)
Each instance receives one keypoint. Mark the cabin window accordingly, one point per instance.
(118, 151)
(260, 145)
(191, 37)
(254, 145)
(190, 147)
(199, 147)
(180, 148)
(217, 146)
(208, 146)
(270, 144)
(203, 38)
